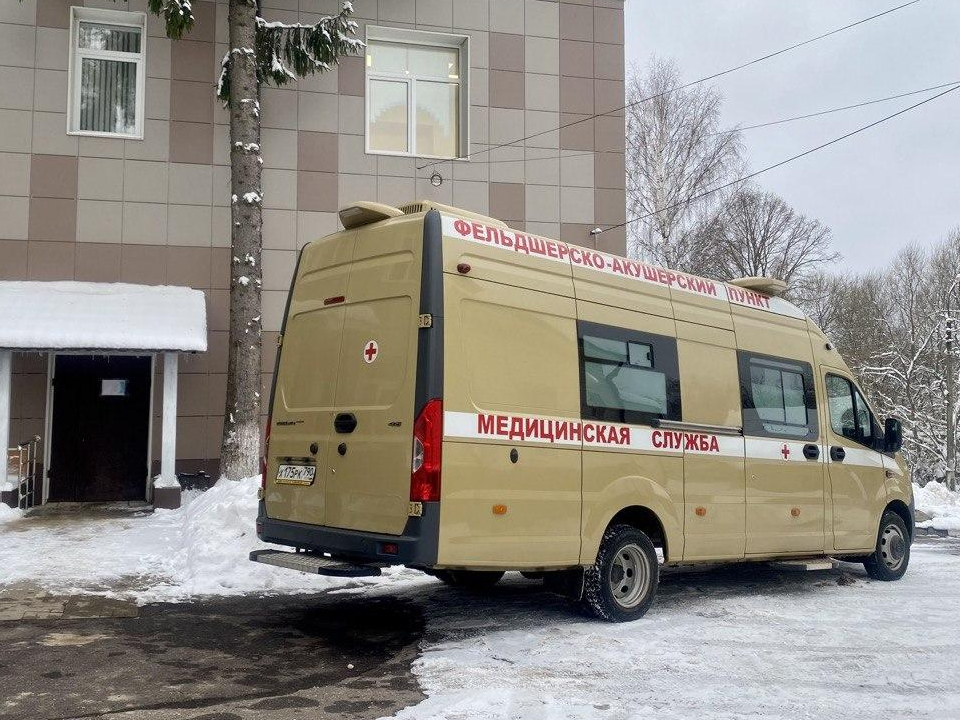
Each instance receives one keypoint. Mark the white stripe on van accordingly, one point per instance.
(557, 251)
(772, 449)
(573, 432)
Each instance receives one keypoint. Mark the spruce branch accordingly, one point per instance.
(288, 51)
(177, 14)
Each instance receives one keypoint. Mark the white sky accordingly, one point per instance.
(878, 191)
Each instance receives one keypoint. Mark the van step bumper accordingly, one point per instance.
(313, 563)
(823, 563)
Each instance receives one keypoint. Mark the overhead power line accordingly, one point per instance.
(838, 109)
(771, 123)
(754, 174)
(715, 75)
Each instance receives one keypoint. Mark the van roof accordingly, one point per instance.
(364, 213)
(757, 292)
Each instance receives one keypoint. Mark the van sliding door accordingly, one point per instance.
(714, 493)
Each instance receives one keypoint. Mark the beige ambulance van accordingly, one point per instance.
(466, 399)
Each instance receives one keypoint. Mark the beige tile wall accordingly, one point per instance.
(158, 210)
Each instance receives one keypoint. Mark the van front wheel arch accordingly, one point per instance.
(892, 554)
(621, 585)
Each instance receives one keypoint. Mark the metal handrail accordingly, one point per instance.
(26, 455)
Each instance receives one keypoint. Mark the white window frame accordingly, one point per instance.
(461, 43)
(111, 17)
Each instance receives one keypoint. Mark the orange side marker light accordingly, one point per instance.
(499, 509)
(700, 511)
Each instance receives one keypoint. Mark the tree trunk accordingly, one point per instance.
(240, 449)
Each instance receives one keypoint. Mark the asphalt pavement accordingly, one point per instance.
(325, 656)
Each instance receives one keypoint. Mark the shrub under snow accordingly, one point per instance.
(940, 503)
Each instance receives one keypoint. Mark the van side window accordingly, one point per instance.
(627, 376)
(777, 396)
(850, 416)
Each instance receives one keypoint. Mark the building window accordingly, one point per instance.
(107, 73)
(628, 376)
(778, 397)
(416, 93)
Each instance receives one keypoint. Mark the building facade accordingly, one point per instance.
(114, 153)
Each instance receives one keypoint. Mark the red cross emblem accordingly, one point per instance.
(370, 351)
(785, 451)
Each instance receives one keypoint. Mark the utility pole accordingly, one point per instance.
(951, 442)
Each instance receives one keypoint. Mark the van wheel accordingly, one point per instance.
(622, 583)
(472, 579)
(892, 555)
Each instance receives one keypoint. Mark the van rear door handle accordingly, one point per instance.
(345, 422)
(811, 451)
(837, 453)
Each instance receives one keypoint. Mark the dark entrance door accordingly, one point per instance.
(101, 425)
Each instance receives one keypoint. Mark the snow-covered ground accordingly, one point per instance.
(740, 642)
(197, 550)
(735, 642)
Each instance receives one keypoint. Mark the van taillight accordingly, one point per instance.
(427, 442)
(264, 459)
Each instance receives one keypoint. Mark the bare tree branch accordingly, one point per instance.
(674, 153)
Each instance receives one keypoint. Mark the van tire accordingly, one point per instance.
(627, 552)
(892, 555)
(472, 579)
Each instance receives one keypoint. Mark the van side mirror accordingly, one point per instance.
(892, 434)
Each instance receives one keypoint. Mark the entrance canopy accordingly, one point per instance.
(68, 320)
(101, 316)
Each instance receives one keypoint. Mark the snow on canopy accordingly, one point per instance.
(101, 316)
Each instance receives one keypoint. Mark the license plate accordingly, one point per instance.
(296, 474)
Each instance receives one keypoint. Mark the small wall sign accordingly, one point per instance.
(113, 387)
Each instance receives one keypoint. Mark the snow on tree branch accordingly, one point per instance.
(177, 14)
(287, 51)
(890, 327)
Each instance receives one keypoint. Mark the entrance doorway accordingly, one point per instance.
(100, 429)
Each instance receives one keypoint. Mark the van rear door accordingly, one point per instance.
(303, 399)
(369, 452)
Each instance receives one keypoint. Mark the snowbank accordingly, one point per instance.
(199, 549)
(9, 514)
(940, 503)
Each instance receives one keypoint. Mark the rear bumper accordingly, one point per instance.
(416, 546)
